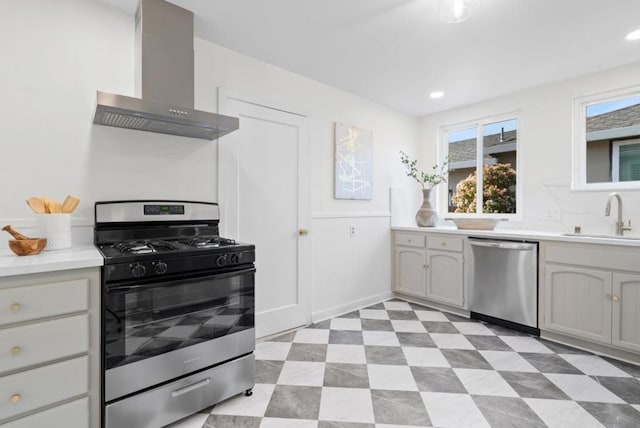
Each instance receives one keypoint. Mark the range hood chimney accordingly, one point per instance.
(164, 80)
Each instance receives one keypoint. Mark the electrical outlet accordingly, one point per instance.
(352, 230)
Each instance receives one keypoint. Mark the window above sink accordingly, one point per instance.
(606, 141)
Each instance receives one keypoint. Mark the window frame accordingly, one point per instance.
(615, 158)
(443, 150)
(579, 141)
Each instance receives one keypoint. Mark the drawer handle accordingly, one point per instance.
(16, 307)
(191, 387)
(16, 350)
(15, 398)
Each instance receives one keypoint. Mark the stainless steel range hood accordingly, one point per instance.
(164, 80)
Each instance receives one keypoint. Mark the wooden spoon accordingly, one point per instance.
(46, 202)
(37, 205)
(70, 204)
(55, 207)
(17, 235)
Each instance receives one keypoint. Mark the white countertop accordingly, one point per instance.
(48, 261)
(520, 234)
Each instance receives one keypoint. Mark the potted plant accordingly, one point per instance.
(426, 216)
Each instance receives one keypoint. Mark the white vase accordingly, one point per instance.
(426, 215)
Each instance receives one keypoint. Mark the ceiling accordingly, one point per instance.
(395, 52)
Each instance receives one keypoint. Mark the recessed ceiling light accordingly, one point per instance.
(436, 94)
(634, 35)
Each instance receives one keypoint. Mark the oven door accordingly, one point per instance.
(155, 331)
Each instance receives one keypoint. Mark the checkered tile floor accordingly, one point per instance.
(398, 364)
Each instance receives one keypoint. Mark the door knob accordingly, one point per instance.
(16, 307)
(15, 398)
(615, 298)
(302, 231)
(16, 350)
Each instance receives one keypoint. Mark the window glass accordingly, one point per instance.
(463, 149)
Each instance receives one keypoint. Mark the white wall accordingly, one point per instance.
(544, 137)
(57, 54)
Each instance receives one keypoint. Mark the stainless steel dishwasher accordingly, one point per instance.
(504, 283)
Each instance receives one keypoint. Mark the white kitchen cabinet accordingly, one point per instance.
(626, 310)
(430, 266)
(50, 348)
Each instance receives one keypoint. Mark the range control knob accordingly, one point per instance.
(221, 260)
(234, 259)
(160, 267)
(138, 270)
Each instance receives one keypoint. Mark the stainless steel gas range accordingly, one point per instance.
(177, 311)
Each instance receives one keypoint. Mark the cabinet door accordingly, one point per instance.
(410, 267)
(445, 277)
(626, 311)
(577, 302)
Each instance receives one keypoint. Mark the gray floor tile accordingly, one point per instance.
(333, 424)
(399, 408)
(402, 315)
(224, 421)
(354, 314)
(416, 340)
(376, 306)
(632, 369)
(626, 388)
(440, 327)
(346, 375)
(298, 402)
(550, 363)
(487, 343)
(559, 348)
(466, 359)
(268, 371)
(287, 337)
(503, 412)
(419, 307)
(437, 379)
(613, 415)
(307, 352)
(503, 331)
(345, 337)
(457, 318)
(533, 385)
(385, 355)
(322, 325)
(377, 325)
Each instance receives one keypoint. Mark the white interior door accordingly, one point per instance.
(263, 191)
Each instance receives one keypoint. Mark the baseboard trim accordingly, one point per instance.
(596, 348)
(430, 304)
(350, 306)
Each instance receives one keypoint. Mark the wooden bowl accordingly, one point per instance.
(27, 247)
(475, 223)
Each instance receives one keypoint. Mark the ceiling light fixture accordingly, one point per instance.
(436, 94)
(455, 11)
(634, 35)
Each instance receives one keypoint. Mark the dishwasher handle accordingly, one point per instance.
(504, 245)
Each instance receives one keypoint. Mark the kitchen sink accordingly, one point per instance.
(599, 235)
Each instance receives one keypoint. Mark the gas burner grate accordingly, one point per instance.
(207, 242)
(144, 247)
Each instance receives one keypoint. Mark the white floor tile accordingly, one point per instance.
(508, 361)
(451, 341)
(525, 344)
(374, 314)
(453, 410)
(380, 338)
(408, 326)
(349, 354)
(193, 421)
(346, 405)
(287, 423)
(302, 373)
(583, 388)
(593, 365)
(397, 306)
(346, 324)
(562, 413)
(398, 378)
(240, 405)
(272, 350)
(431, 316)
(425, 357)
(312, 335)
(473, 328)
(485, 382)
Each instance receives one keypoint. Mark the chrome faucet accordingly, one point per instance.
(620, 227)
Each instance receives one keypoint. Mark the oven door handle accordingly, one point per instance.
(189, 388)
(125, 288)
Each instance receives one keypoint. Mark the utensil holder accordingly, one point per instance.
(56, 228)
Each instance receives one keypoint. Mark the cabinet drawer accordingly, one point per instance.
(445, 243)
(410, 240)
(32, 389)
(44, 341)
(70, 415)
(43, 300)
